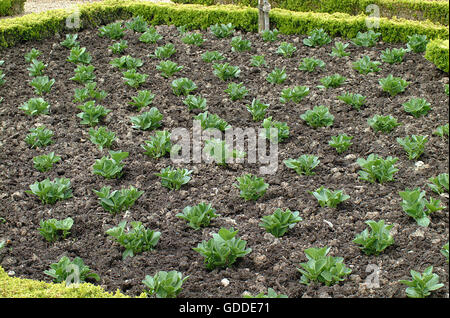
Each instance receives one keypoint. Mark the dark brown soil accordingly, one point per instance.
(272, 262)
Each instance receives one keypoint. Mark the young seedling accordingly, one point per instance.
(49, 192)
(339, 50)
(236, 91)
(365, 66)
(258, 61)
(35, 106)
(417, 43)
(439, 184)
(159, 145)
(341, 142)
(393, 56)
(225, 71)
(417, 107)
(222, 31)
(251, 187)
(423, 284)
(150, 36)
(102, 137)
(168, 68)
(92, 114)
(218, 151)
(118, 47)
(79, 55)
(70, 41)
(416, 206)
(142, 99)
(442, 131)
(322, 268)
(89, 92)
(183, 86)
(114, 31)
(223, 249)
(332, 81)
(295, 94)
(354, 100)
(198, 216)
(270, 35)
(195, 102)
(310, 64)
(304, 165)
(136, 240)
(71, 272)
(164, 284)
(277, 76)
(208, 120)
(319, 116)
(164, 52)
(148, 120)
(385, 124)
(212, 56)
(42, 84)
(366, 39)
(84, 74)
(258, 109)
(413, 145)
(39, 137)
(45, 163)
(110, 168)
(173, 179)
(239, 45)
(137, 24)
(54, 229)
(377, 169)
(280, 222)
(193, 39)
(32, 55)
(375, 241)
(133, 78)
(275, 131)
(393, 85)
(117, 200)
(286, 49)
(36, 68)
(126, 62)
(329, 198)
(317, 37)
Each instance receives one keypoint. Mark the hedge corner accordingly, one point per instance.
(437, 52)
(11, 7)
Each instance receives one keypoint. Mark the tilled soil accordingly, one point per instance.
(272, 262)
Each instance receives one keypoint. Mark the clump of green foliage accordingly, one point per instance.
(393, 85)
(417, 43)
(212, 56)
(236, 91)
(226, 71)
(110, 168)
(275, 131)
(332, 81)
(183, 86)
(223, 249)
(339, 49)
(49, 192)
(280, 222)
(79, 55)
(147, 120)
(341, 142)
(310, 64)
(439, 184)
(195, 102)
(158, 145)
(270, 35)
(133, 78)
(142, 99)
(322, 268)
(70, 41)
(39, 137)
(417, 107)
(117, 200)
(365, 66)
(136, 240)
(45, 163)
(366, 39)
(53, 229)
(102, 137)
(92, 114)
(238, 44)
(42, 84)
(173, 179)
(164, 284)
(258, 109)
(222, 31)
(251, 187)
(168, 68)
(317, 37)
(286, 49)
(277, 76)
(118, 47)
(70, 271)
(114, 31)
(377, 240)
(35, 106)
(208, 120)
(294, 94)
(329, 198)
(304, 165)
(413, 145)
(382, 123)
(416, 206)
(423, 284)
(198, 216)
(393, 56)
(319, 116)
(377, 169)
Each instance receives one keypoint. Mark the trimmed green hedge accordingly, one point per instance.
(437, 53)
(39, 26)
(11, 7)
(14, 287)
(435, 11)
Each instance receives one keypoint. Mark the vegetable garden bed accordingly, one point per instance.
(272, 262)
